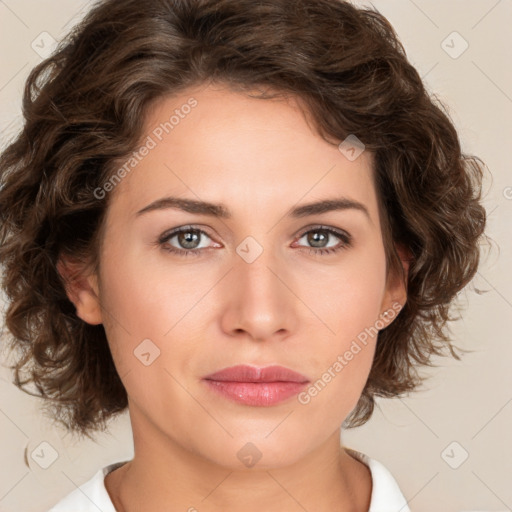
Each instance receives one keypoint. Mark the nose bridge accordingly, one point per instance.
(259, 279)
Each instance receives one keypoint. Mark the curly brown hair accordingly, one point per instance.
(83, 108)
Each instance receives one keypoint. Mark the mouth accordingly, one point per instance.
(256, 386)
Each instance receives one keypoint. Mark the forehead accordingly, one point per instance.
(218, 145)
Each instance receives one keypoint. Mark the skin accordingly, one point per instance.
(288, 307)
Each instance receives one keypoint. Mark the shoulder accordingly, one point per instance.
(90, 496)
(386, 494)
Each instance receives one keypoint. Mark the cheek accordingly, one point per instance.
(155, 316)
(347, 298)
(348, 302)
(150, 334)
(149, 295)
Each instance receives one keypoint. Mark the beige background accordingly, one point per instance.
(468, 402)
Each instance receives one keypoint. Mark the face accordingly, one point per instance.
(269, 283)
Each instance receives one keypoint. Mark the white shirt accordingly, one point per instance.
(92, 496)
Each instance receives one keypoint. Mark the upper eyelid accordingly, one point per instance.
(320, 227)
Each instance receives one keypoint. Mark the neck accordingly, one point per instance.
(164, 475)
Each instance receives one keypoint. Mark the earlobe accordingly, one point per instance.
(82, 290)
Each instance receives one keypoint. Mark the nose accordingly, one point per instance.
(260, 303)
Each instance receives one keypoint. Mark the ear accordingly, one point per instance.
(81, 289)
(395, 295)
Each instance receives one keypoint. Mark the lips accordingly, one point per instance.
(245, 373)
(250, 385)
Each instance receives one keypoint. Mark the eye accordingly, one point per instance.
(319, 237)
(187, 238)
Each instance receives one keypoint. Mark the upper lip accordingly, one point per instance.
(246, 373)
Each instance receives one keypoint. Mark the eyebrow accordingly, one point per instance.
(219, 210)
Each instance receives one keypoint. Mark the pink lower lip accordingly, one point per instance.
(256, 393)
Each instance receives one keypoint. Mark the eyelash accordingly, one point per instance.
(345, 237)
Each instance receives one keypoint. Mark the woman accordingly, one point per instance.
(243, 221)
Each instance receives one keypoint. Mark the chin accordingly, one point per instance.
(257, 453)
